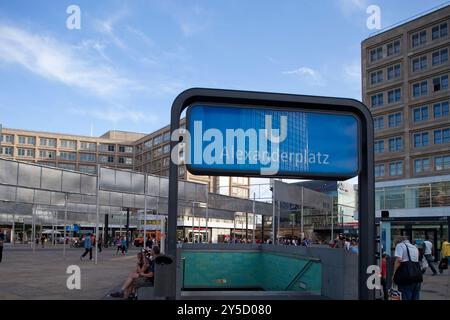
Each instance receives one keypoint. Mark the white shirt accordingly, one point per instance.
(428, 247)
(401, 252)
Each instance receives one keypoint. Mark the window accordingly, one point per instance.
(377, 100)
(166, 136)
(22, 140)
(393, 48)
(87, 169)
(51, 142)
(396, 168)
(439, 57)
(126, 160)
(148, 144)
(106, 147)
(395, 144)
(166, 148)
(440, 109)
(420, 89)
(125, 149)
(31, 140)
(106, 159)
(376, 77)
(419, 64)
(394, 120)
(419, 38)
(442, 163)
(69, 144)
(23, 152)
(88, 146)
(67, 166)
(439, 31)
(421, 165)
(441, 136)
(88, 157)
(421, 139)
(379, 146)
(157, 140)
(378, 123)
(7, 150)
(440, 83)
(47, 154)
(7, 138)
(376, 54)
(47, 142)
(393, 72)
(166, 162)
(420, 114)
(72, 156)
(157, 152)
(394, 96)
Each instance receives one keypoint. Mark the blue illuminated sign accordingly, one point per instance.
(270, 141)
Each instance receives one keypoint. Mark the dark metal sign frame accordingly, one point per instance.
(366, 204)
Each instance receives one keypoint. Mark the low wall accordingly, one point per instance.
(339, 268)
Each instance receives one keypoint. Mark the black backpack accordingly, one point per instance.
(408, 272)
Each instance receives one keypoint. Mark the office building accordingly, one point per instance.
(405, 71)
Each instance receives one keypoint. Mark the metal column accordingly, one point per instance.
(97, 214)
(66, 199)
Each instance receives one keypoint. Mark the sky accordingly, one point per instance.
(129, 60)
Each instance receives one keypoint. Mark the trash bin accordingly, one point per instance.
(164, 276)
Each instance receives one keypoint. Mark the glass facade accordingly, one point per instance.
(415, 196)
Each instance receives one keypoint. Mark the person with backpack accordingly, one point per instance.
(407, 273)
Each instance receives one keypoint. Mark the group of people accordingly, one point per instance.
(122, 245)
(411, 262)
(346, 243)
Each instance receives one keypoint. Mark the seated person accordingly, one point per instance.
(141, 277)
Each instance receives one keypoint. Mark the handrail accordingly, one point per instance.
(299, 274)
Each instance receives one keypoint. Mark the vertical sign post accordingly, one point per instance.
(310, 137)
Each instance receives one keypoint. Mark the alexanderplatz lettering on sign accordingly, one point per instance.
(255, 134)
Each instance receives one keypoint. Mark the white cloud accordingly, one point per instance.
(106, 27)
(308, 73)
(60, 62)
(116, 114)
(350, 6)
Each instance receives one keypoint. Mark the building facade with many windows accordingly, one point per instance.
(405, 73)
(72, 152)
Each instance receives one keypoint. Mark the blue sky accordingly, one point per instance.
(130, 59)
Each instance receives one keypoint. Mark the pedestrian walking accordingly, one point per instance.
(87, 247)
(445, 254)
(99, 245)
(124, 246)
(42, 240)
(118, 245)
(407, 271)
(428, 254)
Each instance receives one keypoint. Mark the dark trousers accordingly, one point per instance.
(86, 250)
(385, 290)
(430, 263)
(1, 253)
(410, 292)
